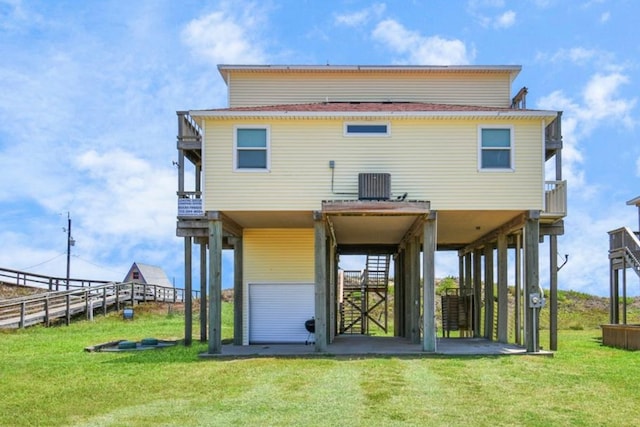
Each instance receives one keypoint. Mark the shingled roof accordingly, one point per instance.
(330, 107)
(365, 108)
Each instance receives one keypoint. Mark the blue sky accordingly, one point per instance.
(89, 91)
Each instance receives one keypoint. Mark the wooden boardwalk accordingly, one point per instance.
(52, 306)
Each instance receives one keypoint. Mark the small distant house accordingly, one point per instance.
(149, 274)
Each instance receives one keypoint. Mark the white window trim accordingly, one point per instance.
(511, 148)
(235, 148)
(365, 134)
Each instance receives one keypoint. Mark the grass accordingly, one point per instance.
(47, 379)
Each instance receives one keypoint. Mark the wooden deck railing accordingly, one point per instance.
(622, 239)
(22, 278)
(48, 307)
(555, 198)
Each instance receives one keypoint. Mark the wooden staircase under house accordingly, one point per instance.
(364, 301)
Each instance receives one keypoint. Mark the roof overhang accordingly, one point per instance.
(634, 202)
(284, 114)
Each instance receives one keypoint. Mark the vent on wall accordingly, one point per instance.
(374, 186)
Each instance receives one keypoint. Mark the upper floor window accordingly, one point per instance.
(495, 148)
(251, 148)
(366, 129)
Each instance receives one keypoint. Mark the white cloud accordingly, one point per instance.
(576, 55)
(600, 103)
(501, 21)
(15, 17)
(605, 17)
(476, 4)
(414, 48)
(227, 37)
(358, 18)
(128, 194)
(602, 100)
(505, 20)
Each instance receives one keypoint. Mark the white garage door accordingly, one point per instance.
(277, 312)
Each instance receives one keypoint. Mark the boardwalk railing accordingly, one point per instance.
(62, 305)
(22, 278)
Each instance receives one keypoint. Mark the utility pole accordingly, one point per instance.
(70, 242)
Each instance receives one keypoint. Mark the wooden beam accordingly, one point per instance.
(477, 291)
(492, 236)
(398, 307)
(554, 229)
(415, 230)
(518, 285)
(503, 290)
(429, 285)
(238, 292)
(203, 292)
(488, 292)
(215, 286)
(332, 272)
(553, 293)
(188, 292)
(228, 225)
(532, 280)
(320, 285)
(414, 286)
(367, 207)
(408, 280)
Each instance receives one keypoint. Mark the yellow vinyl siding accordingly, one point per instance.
(430, 159)
(252, 89)
(276, 256)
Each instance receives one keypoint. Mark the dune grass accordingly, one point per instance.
(47, 379)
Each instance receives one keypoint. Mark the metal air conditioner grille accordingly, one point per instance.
(374, 186)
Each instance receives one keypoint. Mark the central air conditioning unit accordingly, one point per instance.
(374, 186)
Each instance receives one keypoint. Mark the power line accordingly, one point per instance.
(43, 262)
(96, 265)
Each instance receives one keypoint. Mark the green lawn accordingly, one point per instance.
(47, 379)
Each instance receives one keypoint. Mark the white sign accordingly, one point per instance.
(190, 207)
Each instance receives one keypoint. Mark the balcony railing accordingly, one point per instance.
(555, 199)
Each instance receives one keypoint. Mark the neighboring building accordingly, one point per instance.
(624, 254)
(311, 162)
(147, 274)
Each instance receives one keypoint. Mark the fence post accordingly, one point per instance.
(23, 310)
(144, 292)
(132, 294)
(104, 301)
(46, 311)
(50, 284)
(116, 287)
(86, 303)
(68, 303)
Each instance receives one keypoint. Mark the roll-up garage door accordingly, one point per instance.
(277, 312)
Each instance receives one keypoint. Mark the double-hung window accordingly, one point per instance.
(251, 148)
(495, 148)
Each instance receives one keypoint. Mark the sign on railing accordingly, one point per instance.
(190, 207)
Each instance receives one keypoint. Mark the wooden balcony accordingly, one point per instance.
(555, 200)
